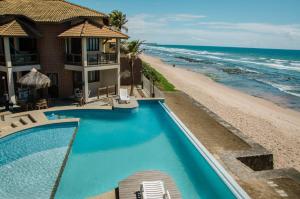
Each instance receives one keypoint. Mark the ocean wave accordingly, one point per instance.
(270, 65)
(279, 64)
(184, 51)
(237, 71)
(295, 64)
(289, 89)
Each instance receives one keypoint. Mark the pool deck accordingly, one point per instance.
(129, 188)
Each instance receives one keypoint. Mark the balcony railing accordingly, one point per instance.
(97, 58)
(24, 59)
(73, 59)
(2, 60)
(93, 59)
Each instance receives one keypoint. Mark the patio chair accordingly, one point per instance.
(154, 190)
(78, 93)
(124, 95)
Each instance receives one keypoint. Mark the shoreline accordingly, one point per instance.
(274, 127)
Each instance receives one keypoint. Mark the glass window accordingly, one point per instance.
(93, 76)
(93, 44)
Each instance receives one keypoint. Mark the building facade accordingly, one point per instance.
(74, 46)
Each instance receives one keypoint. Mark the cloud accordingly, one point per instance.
(290, 29)
(193, 30)
(182, 17)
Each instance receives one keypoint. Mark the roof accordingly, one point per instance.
(88, 29)
(46, 10)
(18, 29)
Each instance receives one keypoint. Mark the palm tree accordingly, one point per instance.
(118, 20)
(133, 50)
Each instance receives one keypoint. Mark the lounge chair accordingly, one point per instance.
(124, 95)
(154, 190)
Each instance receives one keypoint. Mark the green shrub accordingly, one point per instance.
(159, 80)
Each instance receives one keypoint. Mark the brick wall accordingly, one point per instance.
(51, 52)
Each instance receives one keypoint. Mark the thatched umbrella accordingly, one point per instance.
(35, 79)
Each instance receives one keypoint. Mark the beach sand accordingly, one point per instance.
(274, 127)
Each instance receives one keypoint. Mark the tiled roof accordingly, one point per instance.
(18, 29)
(46, 10)
(88, 29)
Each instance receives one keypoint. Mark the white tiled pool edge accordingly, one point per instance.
(218, 168)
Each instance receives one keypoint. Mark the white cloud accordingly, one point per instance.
(192, 30)
(182, 17)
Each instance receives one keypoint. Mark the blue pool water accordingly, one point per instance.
(112, 145)
(30, 160)
(271, 74)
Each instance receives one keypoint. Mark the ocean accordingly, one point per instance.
(271, 74)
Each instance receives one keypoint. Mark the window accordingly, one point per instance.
(93, 44)
(75, 45)
(93, 76)
(27, 44)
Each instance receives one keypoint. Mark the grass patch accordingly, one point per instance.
(160, 81)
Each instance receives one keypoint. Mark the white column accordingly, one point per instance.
(11, 86)
(84, 51)
(10, 78)
(86, 84)
(118, 51)
(119, 62)
(118, 80)
(7, 51)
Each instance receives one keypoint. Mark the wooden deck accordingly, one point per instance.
(129, 188)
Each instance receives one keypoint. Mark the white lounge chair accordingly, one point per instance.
(154, 190)
(124, 95)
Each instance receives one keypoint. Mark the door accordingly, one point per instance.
(77, 80)
(53, 91)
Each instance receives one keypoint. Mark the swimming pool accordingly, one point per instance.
(112, 145)
(30, 160)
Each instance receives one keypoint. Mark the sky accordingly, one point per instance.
(239, 23)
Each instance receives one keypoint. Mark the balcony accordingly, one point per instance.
(73, 59)
(97, 58)
(24, 59)
(93, 59)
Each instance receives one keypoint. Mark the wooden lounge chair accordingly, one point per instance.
(154, 190)
(124, 96)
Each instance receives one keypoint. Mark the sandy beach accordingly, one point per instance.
(274, 127)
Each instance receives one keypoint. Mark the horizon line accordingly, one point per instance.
(262, 48)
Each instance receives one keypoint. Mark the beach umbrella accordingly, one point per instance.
(35, 79)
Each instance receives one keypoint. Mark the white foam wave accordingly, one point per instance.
(271, 63)
(295, 64)
(284, 88)
(184, 51)
(249, 70)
